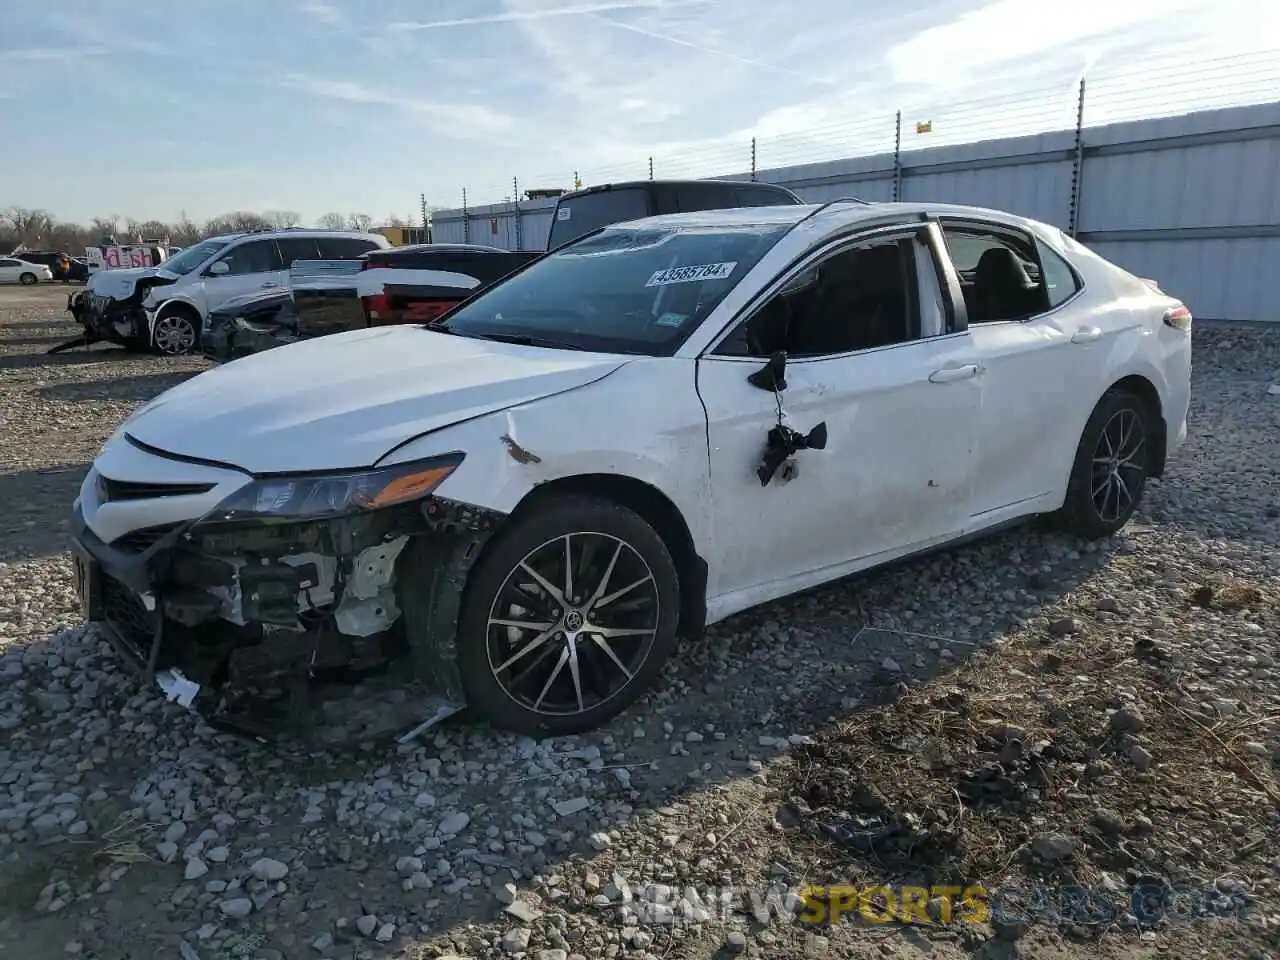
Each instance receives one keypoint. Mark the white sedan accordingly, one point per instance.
(15, 270)
(666, 422)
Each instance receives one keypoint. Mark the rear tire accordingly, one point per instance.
(588, 659)
(176, 333)
(28, 279)
(1110, 471)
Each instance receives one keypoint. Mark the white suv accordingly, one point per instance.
(162, 308)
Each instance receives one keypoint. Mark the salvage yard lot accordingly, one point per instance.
(1051, 713)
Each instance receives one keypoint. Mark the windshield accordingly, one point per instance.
(578, 216)
(623, 290)
(192, 257)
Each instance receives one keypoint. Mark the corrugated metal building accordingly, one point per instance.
(1192, 201)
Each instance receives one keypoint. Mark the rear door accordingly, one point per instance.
(1042, 357)
(331, 304)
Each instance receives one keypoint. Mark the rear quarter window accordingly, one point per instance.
(756, 196)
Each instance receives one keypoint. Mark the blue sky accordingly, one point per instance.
(204, 106)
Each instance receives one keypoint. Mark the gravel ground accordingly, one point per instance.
(1026, 713)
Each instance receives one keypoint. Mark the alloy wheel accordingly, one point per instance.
(1119, 464)
(572, 624)
(175, 335)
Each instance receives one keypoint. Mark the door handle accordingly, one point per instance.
(269, 284)
(952, 374)
(1086, 335)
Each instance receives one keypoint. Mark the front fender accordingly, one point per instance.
(644, 422)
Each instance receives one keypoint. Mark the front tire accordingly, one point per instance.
(1111, 467)
(28, 278)
(175, 333)
(568, 618)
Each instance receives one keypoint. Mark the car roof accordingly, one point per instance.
(306, 233)
(446, 248)
(631, 184)
(844, 210)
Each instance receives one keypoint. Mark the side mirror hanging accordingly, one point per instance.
(782, 443)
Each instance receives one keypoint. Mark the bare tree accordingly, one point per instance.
(333, 221)
(105, 226)
(154, 229)
(282, 218)
(360, 221)
(236, 222)
(185, 232)
(28, 225)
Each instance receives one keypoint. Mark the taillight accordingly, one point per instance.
(426, 311)
(1178, 317)
(377, 309)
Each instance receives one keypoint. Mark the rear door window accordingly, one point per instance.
(344, 248)
(578, 216)
(298, 248)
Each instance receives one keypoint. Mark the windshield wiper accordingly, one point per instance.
(524, 340)
(520, 339)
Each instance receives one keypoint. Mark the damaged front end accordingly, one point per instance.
(317, 609)
(122, 321)
(249, 325)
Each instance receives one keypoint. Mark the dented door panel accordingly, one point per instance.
(895, 471)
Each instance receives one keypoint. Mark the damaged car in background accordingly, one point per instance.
(322, 290)
(161, 309)
(518, 509)
(397, 285)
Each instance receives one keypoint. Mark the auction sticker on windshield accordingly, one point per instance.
(702, 271)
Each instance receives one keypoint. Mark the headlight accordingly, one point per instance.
(335, 494)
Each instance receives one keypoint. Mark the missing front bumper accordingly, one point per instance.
(226, 624)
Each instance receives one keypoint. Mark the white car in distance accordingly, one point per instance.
(659, 425)
(17, 270)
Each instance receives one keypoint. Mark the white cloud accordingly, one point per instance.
(526, 14)
(700, 48)
(324, 13)
(1007, 32)
(50, 54)
(454, 119)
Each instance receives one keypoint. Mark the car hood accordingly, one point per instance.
(346, 400)
(120, 284)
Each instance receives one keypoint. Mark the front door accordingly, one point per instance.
(251, 267)
(899, 394)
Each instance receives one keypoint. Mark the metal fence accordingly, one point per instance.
(1188, 198)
